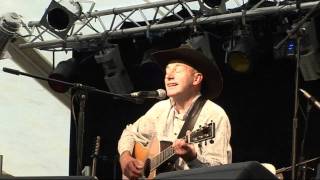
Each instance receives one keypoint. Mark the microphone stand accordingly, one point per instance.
(285, 169)
(302, 170)
(82, 91)
(296, 32)
(80, 129)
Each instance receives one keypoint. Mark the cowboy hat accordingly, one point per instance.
(213, 82)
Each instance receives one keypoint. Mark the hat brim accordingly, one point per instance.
(213, 82)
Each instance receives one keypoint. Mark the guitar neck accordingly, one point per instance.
(161, 158)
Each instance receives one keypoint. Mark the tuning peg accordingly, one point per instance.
(211, 122)
(211, 141)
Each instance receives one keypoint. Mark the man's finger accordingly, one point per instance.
(138, 165)
(188, 132)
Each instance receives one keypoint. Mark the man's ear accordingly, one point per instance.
(197, 78)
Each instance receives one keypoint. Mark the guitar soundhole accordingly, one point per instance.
(147, 167)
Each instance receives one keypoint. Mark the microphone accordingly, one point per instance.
(9, 25)
(11, 71)
(311, 98)
(158, 94)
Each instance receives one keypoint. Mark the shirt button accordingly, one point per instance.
(175, 134)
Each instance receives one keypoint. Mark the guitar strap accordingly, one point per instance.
(192, 116)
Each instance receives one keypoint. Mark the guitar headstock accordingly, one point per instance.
(203, 133)
(97, 147)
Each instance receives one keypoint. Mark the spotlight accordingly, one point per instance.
(147, 62)
(60, 16)
(241, 54)
(201, 42)
(211, 7)
(9, 25)
(65, 71)
(309, 50)
(116, 76)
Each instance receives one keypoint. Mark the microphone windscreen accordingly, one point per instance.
(162, 94)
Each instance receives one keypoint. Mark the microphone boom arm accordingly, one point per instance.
(71, 85)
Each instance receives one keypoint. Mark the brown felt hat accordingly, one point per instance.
(213, 82)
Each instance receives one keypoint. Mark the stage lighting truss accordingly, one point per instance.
(91, 26)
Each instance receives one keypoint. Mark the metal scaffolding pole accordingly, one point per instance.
(124, 9)
(78, 40)
(159, 11)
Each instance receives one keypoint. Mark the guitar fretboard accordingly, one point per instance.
(161, 157)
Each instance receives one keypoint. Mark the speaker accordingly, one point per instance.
(242, 170)
(50, 178)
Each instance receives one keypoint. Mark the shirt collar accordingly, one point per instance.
(187, 112)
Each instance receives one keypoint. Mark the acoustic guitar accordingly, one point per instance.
(156, 153)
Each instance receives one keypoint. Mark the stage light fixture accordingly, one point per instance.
(211, 7)
(64, 71)
(116, 75)
(9, 26)
(309, 50)
(240, 55)
(60, 16)
(201, 42)
(148, 63)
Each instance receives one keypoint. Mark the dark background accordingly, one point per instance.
(259, 104)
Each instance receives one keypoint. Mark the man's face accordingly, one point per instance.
(180, 78)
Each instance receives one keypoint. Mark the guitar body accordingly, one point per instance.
(143, 153)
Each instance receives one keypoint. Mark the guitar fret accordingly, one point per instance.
(167, 152)
(161, 157)
(157, 160)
